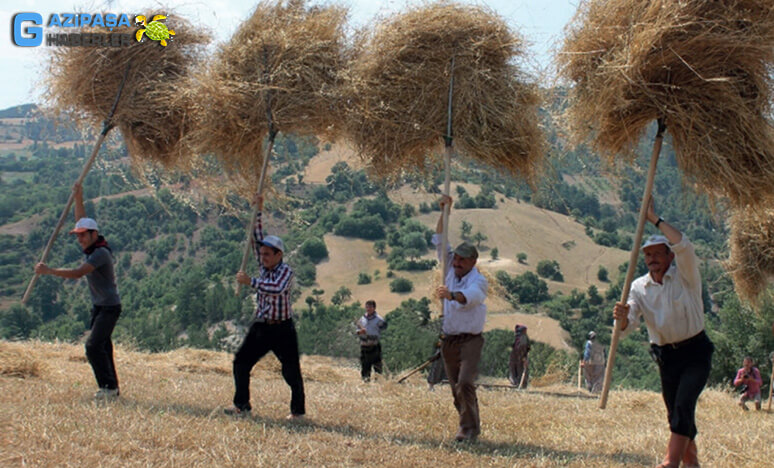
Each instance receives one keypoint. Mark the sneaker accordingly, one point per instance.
(107, 393)
(294, 417)
(237, 412)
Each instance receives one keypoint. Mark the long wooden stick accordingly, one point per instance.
(771, 388)
(107, 125)
(524, 372)
(434, 358)
(448, 152)
(580, 372)
(633, 258)
(254, 215)
(264, 166)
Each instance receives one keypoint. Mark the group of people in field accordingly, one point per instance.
(667, 299)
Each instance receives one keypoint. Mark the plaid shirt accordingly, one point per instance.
(273, 286)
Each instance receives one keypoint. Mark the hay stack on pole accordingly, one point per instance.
(701, 67)
(416, 66)
(279, 72)
(751, 262)
(128, 87)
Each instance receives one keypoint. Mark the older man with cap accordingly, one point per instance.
(106, 304)
(273, 328)
(668, 299)
(593, 363)
(464, 314)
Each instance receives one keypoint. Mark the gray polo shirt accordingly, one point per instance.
(102, 280)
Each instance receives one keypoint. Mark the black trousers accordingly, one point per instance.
(282, 340)
(370, 356)
(99, 347)
(684, 372)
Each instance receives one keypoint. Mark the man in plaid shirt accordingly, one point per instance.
(273, 328)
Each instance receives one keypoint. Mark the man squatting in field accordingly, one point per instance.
(464, 314)
(668, 298)
(273, 328)
(369, 329)
(106, 304)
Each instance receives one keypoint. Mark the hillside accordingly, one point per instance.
(169, 414)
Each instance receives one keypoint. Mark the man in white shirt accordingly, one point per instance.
(464, 314)
(668, 298)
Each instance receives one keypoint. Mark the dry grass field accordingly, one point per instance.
(169, 414)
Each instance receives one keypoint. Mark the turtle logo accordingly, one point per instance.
(155, 30)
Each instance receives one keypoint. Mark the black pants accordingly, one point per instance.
(370, 356)
(99, 347)
(684, 372)
(282, 340)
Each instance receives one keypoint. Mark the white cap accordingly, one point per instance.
(273, 241)
(83, 225)
(656, 239)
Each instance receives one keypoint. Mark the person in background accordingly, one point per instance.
(518, 362)
(369, 328)
(748, 379)
(593, 363)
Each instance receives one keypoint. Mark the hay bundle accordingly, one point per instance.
(400, 83)
(703, 65)
(86, 80)
(286, 57)
(752, 251)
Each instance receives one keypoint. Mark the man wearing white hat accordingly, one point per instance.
(668, 299)
(273, 328)
(98, 269)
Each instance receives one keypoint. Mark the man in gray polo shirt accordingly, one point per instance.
(464, 314)
(98, 269)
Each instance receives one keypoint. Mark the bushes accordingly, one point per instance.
(549, 269)
(366, 227)
(401, 285)
(314, 248)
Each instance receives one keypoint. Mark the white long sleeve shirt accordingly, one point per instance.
(672, 311)
(469, 317)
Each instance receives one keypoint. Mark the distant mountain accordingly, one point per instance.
(23, 110)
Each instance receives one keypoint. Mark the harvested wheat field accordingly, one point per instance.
(169, 414)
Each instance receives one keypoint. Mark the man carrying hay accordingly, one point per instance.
(668, 298)
(98, 269)
(518, 368)
(273, 328)
(369, 330)
(593, 363)
(464, 314)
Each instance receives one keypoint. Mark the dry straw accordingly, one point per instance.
(752, 251)
(286, 57)
(399, 89)
(702, 64)
(85, 80)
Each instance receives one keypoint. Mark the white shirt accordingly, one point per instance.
(469, 317)
(673, 311)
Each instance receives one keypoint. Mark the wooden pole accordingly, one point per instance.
(580, 373)
(264, 166)
(524, 373)
(633, 258)
(254, 215)
(107, 125)
(771, 385)
(435, 357)
(448, 152)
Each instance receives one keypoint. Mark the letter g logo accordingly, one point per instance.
(27, 36)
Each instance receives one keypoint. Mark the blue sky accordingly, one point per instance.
(541, 22)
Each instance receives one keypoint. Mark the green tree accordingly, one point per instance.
(314, 248)
(342, 295)
(495, 253)
(521, 257)
(602, 274)
(466, 229)
(380, 247)
(401, 285)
